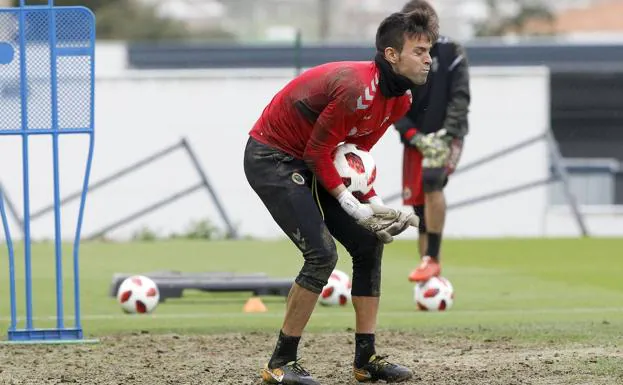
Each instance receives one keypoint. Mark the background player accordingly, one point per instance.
(433, 132)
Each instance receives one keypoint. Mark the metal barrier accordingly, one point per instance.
(559, 174)
(184, 145)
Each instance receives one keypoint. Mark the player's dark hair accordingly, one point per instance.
(398, 26)
(424, 5)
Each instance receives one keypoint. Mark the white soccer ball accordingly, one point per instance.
(138, 294)
(337, 290)
(341, 276)
(356, 167)
(436, 294)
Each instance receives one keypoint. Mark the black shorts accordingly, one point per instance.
(311, 217)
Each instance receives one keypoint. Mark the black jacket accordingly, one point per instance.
(442, 102)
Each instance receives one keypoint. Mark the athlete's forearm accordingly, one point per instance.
(337, 191)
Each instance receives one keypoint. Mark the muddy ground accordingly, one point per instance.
(236, 359)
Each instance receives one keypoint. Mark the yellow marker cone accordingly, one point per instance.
(254, 305)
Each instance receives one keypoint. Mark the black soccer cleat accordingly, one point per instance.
(291, 373)
(379, 369)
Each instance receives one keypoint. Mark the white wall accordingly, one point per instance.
(149, 113)
(605, 221)
(140, 112)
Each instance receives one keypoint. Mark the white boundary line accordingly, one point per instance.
(99, 317)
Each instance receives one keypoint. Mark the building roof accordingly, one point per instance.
(599, 17)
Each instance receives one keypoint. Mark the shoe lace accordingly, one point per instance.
(297, 368)
(381, 361)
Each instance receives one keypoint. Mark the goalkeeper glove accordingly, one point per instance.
(435, 148)
(383, 221)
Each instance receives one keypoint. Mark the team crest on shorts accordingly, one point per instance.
(298, 178)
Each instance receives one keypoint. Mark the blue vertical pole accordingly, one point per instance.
(55, 164)
(85, 188)
(9, 244)
(25, 171)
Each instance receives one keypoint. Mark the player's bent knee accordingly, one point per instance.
(434, 179)
(366, 280)
(316, 270)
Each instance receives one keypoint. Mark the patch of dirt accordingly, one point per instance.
(237, 358)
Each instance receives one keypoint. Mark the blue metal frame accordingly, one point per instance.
(9, 243)
(61, 333)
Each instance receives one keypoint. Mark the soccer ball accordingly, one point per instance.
(138, 294)
(356, 167)
(436, 294)
(337, 290)
(342, 277)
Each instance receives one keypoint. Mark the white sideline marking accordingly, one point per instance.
(98, 317)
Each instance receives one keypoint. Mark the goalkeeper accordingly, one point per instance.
(288, 163)
(432, 132)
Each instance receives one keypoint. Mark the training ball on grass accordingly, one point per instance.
(436, 294)
(337, 290)
(356, 167)
(342, 277)
(138, 294)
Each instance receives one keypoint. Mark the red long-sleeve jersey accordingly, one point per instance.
(324, 106)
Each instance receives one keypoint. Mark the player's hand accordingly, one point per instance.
(434, 146)
(375, 218)
(402, 223)
(386, 222)
(381, 220)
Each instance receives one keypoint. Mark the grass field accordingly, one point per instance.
(530, 290)
(538, 312)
